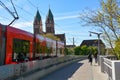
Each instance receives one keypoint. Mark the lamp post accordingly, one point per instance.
(98, 34)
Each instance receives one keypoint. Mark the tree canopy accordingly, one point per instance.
(51, 36)
(107, 20)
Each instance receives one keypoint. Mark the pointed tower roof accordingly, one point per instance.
(50, 15)
(37, 17)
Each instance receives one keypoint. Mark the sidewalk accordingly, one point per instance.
(88, 72)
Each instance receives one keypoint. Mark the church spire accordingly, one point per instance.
(50, 23)
(37, 17)
(38, 24)
(50, 15)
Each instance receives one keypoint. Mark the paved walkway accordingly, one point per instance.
(88, 72)
(81, 70)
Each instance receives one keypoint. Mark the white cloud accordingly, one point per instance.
(67, 17)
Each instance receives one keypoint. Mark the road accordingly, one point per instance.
(64, 73)
(81, 70)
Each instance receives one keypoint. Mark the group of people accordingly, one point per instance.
(90, 57)
(22, 57)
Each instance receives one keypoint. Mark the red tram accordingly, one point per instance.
(17, 45)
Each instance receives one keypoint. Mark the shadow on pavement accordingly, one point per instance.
(64, 73)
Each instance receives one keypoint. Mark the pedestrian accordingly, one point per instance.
(95, 56)
(90, 58)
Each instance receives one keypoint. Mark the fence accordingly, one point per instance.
(111, 66)
(14, 71)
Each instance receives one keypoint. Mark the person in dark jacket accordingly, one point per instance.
(90, 58)
(95, 56)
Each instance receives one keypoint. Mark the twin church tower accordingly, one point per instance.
(49, 24)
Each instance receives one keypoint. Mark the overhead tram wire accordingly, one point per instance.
(68, 40)
(22, 16)
(13, 14)
(6, 18)
(60, 27)
(24, 10)
(32, 4)
(33, 15)
(44, 15)
(25, 19)
(37, 8)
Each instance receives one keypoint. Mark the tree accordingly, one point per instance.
(107, 19)
(84, 50)
(51, 36)
(77, 50)
(69, 51)
(117, 48)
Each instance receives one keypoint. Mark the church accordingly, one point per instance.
(49, 26)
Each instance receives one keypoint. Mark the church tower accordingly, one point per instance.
(50, 23)
(37, 24)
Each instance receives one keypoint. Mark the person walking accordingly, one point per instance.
(95, 56)
(90, 58)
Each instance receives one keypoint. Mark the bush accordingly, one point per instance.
(84, 50)
(69, 51)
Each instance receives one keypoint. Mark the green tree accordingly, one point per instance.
(77, 50)
(117, 48)
(107, 19)
(84, 50)
(38, 48)
(51, 36)
(69, 51)
(66, 51)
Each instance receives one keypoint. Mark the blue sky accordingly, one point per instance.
(66, 13)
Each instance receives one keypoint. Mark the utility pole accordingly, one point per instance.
(98, 34)
(73, 41)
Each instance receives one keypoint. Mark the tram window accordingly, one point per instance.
(21, 49)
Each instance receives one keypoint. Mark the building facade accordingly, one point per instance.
(94, 43)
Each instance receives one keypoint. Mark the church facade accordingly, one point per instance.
(49, 26)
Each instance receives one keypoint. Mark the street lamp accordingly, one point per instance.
(98, 34)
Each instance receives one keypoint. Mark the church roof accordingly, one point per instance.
(50, 15)
(38, 17)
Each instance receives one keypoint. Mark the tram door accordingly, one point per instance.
(2, 44)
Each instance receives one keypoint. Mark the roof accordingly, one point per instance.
(37, 17)
(61, 36)
(70, 46)
(50, 15)
(91, 42)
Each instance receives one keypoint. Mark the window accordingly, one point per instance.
(21, 49)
